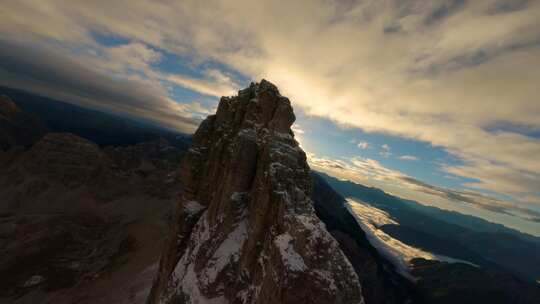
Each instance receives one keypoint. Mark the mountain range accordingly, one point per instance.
(450, 233)
(98, 208)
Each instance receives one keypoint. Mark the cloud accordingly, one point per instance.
(408, 157)
(297, 129)
(118, 79)
(371, 172)
(443, 10)
(385, 151)
(505, 6)
(477, 199)
(216, 84)
(362, 145)
(63, 60)
(440, 71)
(58, 75)
(135, 56)
(358, 169)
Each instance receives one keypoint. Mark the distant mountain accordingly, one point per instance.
(102, 128)
(449, 283)
(450, 233)
(469, 221)
(435, 282)
(378, 196)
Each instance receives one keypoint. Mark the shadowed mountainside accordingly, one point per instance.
(445, 283)
(82, 224)
(18, 128)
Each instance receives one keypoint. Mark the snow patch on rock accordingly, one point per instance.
(289, 256)
(226, 254)
(34, 280)
(193, 207)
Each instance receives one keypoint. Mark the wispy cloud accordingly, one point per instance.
(475, 198)
(371, 172)
(57, 74)
(408, 157)
(362, 145)
(215, 84)
(297, 129)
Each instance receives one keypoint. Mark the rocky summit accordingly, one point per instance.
(245, 230)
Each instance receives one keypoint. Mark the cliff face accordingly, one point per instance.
(245, 230)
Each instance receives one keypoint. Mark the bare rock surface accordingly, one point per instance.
(82, 224)
(245, 230)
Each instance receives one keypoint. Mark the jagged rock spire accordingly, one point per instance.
(245, 230)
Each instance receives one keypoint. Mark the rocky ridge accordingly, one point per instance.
(245, 230)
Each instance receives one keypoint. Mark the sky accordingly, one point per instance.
(436, 101)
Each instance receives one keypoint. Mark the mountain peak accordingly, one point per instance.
(245, 230)
(259, 105)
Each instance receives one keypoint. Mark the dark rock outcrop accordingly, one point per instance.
(51, 252)
(17, 128)
(63, 172)
(67, 158)
(245, 230)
